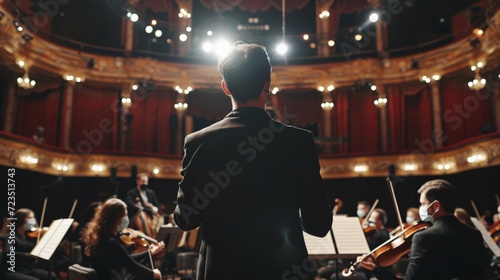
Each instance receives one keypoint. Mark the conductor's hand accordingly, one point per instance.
(157, 248)
(367, 263)
(157, 273)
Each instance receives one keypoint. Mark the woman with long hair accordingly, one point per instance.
(108, 256)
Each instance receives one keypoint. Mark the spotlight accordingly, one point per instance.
(134, 17)
(207, 47)
(158, 33)
(183, 37)
(305, 37)
(282, 48)
(149, 29)
(358, 37)
(373, 17)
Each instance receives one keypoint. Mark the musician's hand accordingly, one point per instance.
(157, 273)
(367, 263)
(157, 248)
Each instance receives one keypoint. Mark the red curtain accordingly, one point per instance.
(300, 108)
(254, 5)
(94, 118)
(39, 107)
(209, 104)
(464, 111)
(363, 122)
(150, 128)
(397, 111)
(418, 120)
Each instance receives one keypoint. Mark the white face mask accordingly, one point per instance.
(410, 220)
(361, 213)
(124, 224)
(31, 223)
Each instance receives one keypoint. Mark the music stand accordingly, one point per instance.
(49, 242)
(170, 236)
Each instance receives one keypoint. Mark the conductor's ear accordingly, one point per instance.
(224, 88)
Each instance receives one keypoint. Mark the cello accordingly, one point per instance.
(393, 249)
(141, 221)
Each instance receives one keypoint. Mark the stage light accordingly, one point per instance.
(134, 17)
(222, 47)
(188, 29)
(282, 48)
(210, 33)
(305, 37)
(358, 37)
(158, 34)
(154, 22)
(207, 47)
(331, 43)
(373, 17)
(149, 29)
(183, 37)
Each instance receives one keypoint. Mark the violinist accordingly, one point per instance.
(377, 220)
(362, 209)
(412, 215)
(25, 264)
(108, 256)
(446, 250)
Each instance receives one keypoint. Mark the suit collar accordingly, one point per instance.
(254, 113)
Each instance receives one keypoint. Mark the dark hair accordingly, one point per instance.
(382, 215)
(441, 191)
(365, 203)
(245, 69)
(21, 215)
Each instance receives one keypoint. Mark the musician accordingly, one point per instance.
(362, 209)
(463, 217)
(412, 215)
(25, 264)
(146, 196)
(377, 219)
(447, 249)
(108, 256)
(252, 183)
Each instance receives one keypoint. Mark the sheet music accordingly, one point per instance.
(51, 239)
(349, 236)
(319, 245)
(486, 237)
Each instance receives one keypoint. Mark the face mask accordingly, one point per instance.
(371, 223)
(410, 220)
(424, 214)
(361, 213)
(31, 223)
(144, 187)
(124, 224)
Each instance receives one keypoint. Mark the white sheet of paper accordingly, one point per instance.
(349, 236)
(51, 239)
(486, 237)
(319, 245)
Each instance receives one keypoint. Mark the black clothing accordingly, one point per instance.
(114, 262)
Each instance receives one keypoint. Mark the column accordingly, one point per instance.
(323, 27)
(383, 119)
(10, 109)
(182, 23)
(129, 37)
(496, 106)
(67, 113)
(436, 114)
(125, 117)
(327, 107)
(180, 107)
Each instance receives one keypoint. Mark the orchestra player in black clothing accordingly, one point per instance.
(108, 256)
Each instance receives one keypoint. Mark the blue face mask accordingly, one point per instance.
(31, 223)
(361, 213)
(423, 212)
(124, 224)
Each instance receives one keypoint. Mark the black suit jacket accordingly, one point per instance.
(253, 184)
(446, 250)
(132, 194)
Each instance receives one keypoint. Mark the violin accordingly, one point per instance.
(33, 233)
(393, 249)
(495, 231)
(369, 231)
(130, 237)
(390, 251)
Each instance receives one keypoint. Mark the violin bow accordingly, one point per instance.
(41, 219)
(479, 217)
(369, 213)
(73, 208)
(393, 195)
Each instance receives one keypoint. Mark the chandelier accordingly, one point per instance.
(380, 102)
(478, 83)
(25, 81)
